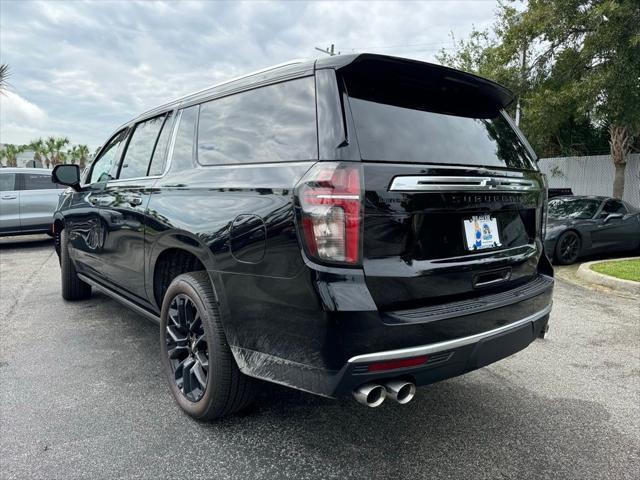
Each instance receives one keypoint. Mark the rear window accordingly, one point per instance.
(37, 181)
(400, 119)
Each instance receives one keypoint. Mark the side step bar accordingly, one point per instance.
(126, 302)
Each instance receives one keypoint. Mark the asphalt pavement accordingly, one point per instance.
(82, 395)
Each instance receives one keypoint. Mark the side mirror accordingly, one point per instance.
(612, 216)
(68, 175)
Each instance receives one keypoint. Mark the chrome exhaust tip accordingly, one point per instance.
(370, 394)
(400, 390)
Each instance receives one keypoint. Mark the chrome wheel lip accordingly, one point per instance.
(187, 347)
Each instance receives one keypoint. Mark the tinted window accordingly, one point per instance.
(614, 206)
(581, 208)
(419, 123)
(7, 182)
(182, 157)
(105, 166)
(34, 181)
(159, 154)
(140, 148)
(276, 123)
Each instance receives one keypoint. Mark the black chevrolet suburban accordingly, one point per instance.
(360, 224)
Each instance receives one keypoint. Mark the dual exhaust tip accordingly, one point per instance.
(374, 394)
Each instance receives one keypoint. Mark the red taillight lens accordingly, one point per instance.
(393, 364)
(330, 198)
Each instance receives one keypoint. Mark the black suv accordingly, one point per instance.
(357, 224)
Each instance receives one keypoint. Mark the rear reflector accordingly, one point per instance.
(402, 363)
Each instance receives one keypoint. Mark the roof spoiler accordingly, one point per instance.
(372, 64)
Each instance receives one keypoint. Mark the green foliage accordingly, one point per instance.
(4, 75)
(581, 74)
(10, 153)
(625, 269)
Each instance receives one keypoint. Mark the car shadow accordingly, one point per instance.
(25, 241)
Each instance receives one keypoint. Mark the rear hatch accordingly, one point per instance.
(453, 196)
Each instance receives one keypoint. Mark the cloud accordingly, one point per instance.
(19, 117)
(92, 66)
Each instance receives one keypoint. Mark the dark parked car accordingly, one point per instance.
(584, 225)
(359, 224)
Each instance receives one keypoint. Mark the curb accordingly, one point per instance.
(585, 273)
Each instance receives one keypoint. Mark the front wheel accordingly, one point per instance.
(202, 374)
(72, 287)
(568, 248)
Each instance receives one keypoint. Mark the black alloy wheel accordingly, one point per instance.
(187, 347)
(203, 376)
(568, 248)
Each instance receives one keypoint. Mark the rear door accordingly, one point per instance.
(9, 203)
(453, 195)
(38, 200)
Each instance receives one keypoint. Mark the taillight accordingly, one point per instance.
(545, 207)
(330, 200)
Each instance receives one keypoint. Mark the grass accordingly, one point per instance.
(625, 269)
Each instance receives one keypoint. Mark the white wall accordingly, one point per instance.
(592, 175)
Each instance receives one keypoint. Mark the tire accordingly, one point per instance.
(225, 389)
(568, 248)
(72, 287)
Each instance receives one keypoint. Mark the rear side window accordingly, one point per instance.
(141, 148)
(614, 206)
(276, 123)
(33, 181)
(7, 182)
(182, 155)
(400, 119)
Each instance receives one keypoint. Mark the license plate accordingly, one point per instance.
(481, 232)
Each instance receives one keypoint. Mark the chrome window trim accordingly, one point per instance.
(428, 183)
(447, 345)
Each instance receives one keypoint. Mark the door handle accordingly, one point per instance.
(94, 200)
(134, 200)
(9, 196)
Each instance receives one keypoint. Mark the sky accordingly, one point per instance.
(81, 69)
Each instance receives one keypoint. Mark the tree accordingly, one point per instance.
(83, 155)
(4, 75)
(39, 151)
(10, 153)
(79, 154)
(53, 149)
(579, 83)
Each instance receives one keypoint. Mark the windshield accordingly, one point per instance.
(580, 208)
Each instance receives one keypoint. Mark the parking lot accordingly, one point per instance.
(83, 396)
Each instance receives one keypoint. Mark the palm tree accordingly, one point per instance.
(11, 152)
(4, 75)
(39, 151)
(53, 147)
(83, 155)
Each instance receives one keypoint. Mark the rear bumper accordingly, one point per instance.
(461, 342)
(450, 358)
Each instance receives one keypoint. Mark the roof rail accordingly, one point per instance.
(257, 72)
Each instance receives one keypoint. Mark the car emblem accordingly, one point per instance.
(492, 183)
